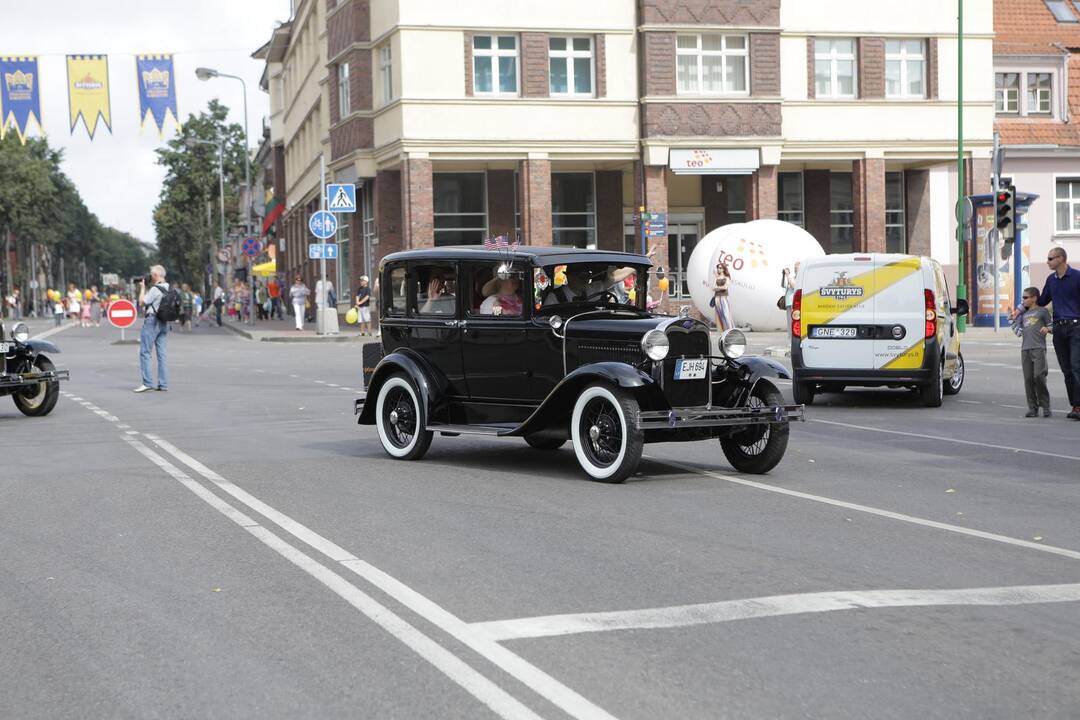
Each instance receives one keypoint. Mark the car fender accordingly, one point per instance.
(557, 406)
(763, 367)
(42, 346)
(428, 380)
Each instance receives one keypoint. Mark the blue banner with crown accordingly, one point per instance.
(157, 89)
(20, 95)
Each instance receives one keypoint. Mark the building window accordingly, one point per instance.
(735, 191)
(1068, 205)
(841, 214)
(343, 284)
(386, 72)
(834, 68)
(1007, 93)
(1060, 9)
(790, 198)
(573, 210)
(895, 226)
(570, 66)
(367, 219)
(344, 106)
(905, 69)
(713, 64)
(1039, 93)
(495, 65)
(460, 201)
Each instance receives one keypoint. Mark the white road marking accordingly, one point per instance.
(484, 690)
(1064, 552)
(958, 441)
(970, 402)
(321, 382)
(332, 385)
(52, 331)
(528, 674)
(1015, 407)
(772, 606)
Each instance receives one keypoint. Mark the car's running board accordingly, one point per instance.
(472, 429)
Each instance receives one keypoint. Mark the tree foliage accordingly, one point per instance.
(191, 181)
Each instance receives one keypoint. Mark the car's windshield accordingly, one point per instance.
(599, 283)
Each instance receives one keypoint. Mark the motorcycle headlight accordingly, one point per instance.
(21, 333)
(655, 345)
(732, 344)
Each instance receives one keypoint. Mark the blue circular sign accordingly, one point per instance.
(323, 225)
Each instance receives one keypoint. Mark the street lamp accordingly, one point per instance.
(205, 74)
(220, 144)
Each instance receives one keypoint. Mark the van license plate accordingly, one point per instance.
(690, 369)
(833, 332)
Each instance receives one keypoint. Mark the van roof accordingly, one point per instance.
(876, 258)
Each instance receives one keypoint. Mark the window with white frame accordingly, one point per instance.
(1039, 93)
(790, 198)
(495, 64)
(1007, 93)
(713, 64)
(570, 66)
(841, 214)
(386, 72)
(1067, 205)
(905, 69)
(834, 68)
(344, 105)
(895, 230)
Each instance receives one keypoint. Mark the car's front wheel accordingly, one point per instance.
(401, 419)
(759, 448)
(39, 399)
(604, 429)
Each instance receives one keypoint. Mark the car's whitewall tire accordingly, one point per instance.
(622, 453)
(397, 396)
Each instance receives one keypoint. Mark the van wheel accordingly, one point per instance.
(544, 443)
(931, 392)
(758, 448)
(604, 429)
(803, 393)
(952, 385)
(401, 418)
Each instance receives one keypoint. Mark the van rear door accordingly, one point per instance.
(900, 307)
(838, 296)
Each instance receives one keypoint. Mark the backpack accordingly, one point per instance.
(169, 307)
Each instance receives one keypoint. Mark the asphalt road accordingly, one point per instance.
(239, 547)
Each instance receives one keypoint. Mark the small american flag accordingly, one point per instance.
(499, 241)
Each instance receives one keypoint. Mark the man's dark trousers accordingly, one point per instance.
(1067, 348)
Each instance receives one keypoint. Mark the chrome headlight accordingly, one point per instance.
(732, 344)
(655, 345)
(21, 333)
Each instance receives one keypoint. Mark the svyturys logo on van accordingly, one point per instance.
(841, 288)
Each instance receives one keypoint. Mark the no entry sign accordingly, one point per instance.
(122, 313)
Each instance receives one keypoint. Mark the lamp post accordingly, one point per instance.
(205, 74)
(220, 144)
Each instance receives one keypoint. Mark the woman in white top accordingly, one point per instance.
(74, 304)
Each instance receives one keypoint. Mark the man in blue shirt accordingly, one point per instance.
(1063, 290)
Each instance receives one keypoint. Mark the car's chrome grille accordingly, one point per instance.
(591, 351)
(686, 393)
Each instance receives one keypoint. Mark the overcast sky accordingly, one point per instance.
(117, 174)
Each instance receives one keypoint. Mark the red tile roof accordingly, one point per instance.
(1025, 28)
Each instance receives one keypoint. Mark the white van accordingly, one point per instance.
(871, 320)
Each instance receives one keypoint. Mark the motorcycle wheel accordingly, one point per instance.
(759, 448)
(41, 401)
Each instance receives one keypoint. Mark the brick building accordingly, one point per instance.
(555, 121)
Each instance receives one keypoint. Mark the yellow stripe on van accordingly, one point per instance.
(817, 310)
(909, 359)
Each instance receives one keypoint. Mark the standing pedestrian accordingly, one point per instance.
(95, 306)
(273, 289)
(74, 302)
(721, 301)
(219, 302)
(58, 307)
(196, 308)
(155, 333)
(262, 302)
(363, 305)
(1062, 289)
(298, 293)
(1031, 323)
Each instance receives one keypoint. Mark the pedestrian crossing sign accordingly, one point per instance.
(341, 198)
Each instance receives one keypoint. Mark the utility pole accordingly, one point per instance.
(961, 282)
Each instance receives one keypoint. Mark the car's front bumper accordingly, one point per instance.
(8, 382)
(717, 417)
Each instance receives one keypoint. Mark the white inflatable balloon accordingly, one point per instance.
(756, 254)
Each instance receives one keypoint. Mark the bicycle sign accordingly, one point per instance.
(322, 225)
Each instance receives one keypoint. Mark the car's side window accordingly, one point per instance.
(494, 291)
(436, 289)
(396, 291)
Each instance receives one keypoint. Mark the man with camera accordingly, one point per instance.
(155, 330)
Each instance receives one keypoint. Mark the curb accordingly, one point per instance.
(289, 338)
(238, 331)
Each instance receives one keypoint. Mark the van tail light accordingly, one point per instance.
(931, 313)
(796, 315)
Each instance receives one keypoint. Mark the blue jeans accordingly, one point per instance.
(1067, 348)
(154, 334)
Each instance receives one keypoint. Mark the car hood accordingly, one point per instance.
(603, 325)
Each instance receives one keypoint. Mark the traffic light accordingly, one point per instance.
(1006, 213)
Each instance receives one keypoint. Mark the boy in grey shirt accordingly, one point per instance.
(1032, 323)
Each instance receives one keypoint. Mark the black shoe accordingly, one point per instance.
(161, 389)
(1029, 413)
(1074, 415)
(1046, 412)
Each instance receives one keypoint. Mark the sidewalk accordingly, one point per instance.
(285, 331)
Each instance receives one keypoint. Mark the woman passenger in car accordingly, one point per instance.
(440, 298)
(502, 296)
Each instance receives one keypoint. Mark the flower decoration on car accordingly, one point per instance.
(560, 275)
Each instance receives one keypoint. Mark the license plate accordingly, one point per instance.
(5, 348)
(690, 369)
(829, 331)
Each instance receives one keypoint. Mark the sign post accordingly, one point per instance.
(122, 315)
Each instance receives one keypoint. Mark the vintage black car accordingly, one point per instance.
(26, 373)
(553, 344)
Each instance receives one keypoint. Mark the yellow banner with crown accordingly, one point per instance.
(88, 91)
